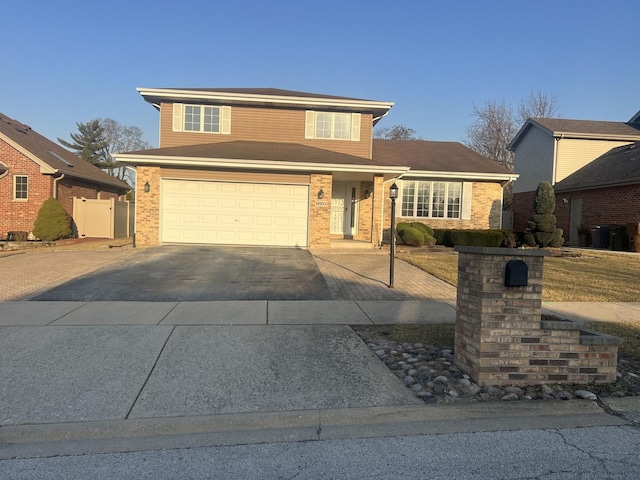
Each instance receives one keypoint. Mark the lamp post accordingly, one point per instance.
(393, 195)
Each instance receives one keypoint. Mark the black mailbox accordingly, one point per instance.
(516, 274)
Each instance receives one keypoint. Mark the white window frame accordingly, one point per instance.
(15, 188)
(352, 125)
(463, 208)
(180, 118)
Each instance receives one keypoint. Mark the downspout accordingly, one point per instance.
(55, 185)
(555, 159)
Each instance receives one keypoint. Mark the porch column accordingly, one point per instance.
(148, 207)
(320, 211)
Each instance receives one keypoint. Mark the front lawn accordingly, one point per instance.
(593, 276)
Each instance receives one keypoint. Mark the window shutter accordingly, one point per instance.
(177, 117)
(310, 124)
(225, 113)
(467, 200)
(356, 118)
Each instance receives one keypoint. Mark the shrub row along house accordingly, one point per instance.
(287, 168)
(34, 169)
(594, 167)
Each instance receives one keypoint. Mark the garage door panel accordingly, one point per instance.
(234, 213)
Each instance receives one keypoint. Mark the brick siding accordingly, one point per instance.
(500, 338)
(20, 215)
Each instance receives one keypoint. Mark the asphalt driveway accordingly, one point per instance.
(200, 273)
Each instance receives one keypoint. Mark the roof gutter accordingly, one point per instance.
(261, 164)
(178, 94)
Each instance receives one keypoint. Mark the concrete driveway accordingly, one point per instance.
(200, 273)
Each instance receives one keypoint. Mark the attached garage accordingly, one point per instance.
(234, 213)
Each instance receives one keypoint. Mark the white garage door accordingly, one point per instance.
(195, 211)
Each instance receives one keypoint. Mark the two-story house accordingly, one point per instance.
(286, 168)
(552, 149)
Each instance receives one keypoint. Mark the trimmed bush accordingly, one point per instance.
(426, 229)
(401, 226)
(52, 222)
(542, 231)
(413, 237)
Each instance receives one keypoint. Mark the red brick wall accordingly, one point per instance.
(522, 210)
(601, 206)
(18, 215)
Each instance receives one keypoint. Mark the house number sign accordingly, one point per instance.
(321, 203)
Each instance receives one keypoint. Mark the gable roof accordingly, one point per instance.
(51, 157)
(446, 159)
(619, 166)
(250, 154)
(272, 97)
(586, 129)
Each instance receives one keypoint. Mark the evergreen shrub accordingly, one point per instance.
(52, 222)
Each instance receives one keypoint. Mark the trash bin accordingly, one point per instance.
(633, 230)
(600, 236)
(618, 237)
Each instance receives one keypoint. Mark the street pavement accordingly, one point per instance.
(115, 376)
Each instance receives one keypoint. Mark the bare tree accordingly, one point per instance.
(538, 105)
(120, 138)
(496, 124)
(492, 131)
(397, 132)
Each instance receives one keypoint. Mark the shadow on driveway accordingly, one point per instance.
(201, 273)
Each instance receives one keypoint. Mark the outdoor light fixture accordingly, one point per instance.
(393, 195)
(367, 194)
(147, 187)
(321, 194)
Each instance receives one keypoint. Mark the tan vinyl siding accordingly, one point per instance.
(265, 125)
(229, 176)
(573, 154)
(534, 160)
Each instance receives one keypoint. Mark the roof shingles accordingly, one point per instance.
(53, 155)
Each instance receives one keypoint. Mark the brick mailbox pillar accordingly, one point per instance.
(500, 336)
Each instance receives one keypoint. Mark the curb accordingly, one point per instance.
(119, 436)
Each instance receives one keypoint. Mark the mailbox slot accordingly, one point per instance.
(516, 274)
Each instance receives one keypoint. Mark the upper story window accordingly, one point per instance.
(431, 199)
(20, 187)
(333, 125)
(201, 118)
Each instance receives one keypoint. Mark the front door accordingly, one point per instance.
(575, 219)
(343, 209)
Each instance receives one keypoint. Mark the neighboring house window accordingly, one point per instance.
(20, 187)
(333, 125)
(201, 118)
(431, 199)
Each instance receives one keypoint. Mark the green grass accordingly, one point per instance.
(592, 277)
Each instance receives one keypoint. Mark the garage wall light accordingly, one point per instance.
(321, 194)
(147, 187)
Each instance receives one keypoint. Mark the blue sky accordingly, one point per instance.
(69, 61)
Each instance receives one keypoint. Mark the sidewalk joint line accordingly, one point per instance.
(169, 313)
(155, 363)
(60, 318)
(365, 313)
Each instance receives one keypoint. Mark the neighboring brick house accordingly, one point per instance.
(551, 149)
(285, 168)
(33, 169)
(602, 193)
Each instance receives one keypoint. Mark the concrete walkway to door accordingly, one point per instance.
(364, 275)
